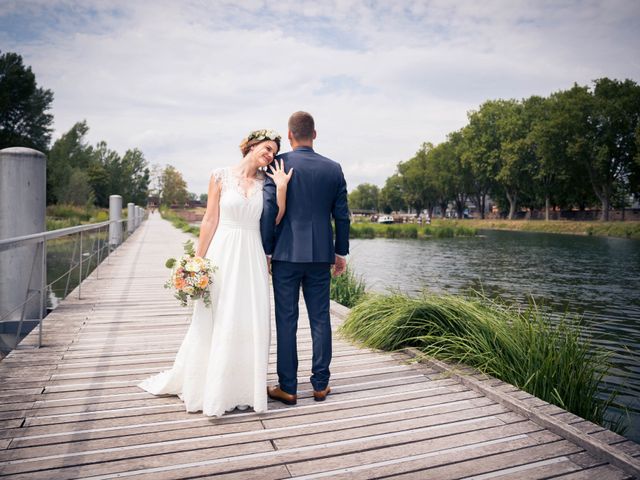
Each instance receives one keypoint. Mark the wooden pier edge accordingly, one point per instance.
(594, 446)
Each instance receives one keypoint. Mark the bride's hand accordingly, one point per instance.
(278, 175)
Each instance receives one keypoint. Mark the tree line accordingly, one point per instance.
(77, 173)
(574, 149)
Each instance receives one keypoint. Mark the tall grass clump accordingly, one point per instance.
(548, 358)
(361, 231)
(347, 289)
(448, 231)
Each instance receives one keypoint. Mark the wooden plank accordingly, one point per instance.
(405, 457)
(459, 465)
(602, 472)
(53, 469)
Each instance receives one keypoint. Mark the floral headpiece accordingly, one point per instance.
(258, 136)
(264, 134)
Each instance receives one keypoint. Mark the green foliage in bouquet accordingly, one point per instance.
(191, 276)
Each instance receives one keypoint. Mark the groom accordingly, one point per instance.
(301, 251)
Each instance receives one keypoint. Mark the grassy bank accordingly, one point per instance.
(64, 216)
(178, 221)
(525, 348)
(627, 229)
(407, 230)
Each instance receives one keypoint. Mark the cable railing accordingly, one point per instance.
(60, 260)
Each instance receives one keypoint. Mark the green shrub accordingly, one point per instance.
(101, 216)
(408, 230)
(68, 211)
(63, 216)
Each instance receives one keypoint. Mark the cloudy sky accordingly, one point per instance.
(185, 80)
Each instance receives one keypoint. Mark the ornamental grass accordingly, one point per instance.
(348, 289)
(546, 357)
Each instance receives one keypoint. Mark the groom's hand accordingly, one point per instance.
(269, 264)
(340, 266)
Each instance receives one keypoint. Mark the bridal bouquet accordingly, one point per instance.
(191, 276)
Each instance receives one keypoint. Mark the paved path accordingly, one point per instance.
(72, 410)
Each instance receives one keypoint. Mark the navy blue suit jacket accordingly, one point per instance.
(316, 192)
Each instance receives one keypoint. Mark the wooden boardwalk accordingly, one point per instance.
(72, 408)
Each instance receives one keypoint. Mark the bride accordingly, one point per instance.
(222, 362)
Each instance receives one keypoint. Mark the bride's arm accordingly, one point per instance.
(209, 223)
(281, 179)
(281, 200)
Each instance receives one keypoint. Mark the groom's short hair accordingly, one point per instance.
(302, 126)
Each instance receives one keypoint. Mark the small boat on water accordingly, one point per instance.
(385, 219)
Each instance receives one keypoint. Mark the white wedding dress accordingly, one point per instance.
(222, 362)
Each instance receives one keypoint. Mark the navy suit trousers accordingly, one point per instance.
(315, 279)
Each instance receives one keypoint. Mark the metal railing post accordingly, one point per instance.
(115, 215)
(131, 217)
(43, 291)
(73, 256)
(80, 270)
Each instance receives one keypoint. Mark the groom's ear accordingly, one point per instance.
(289, 135)
(314, 135)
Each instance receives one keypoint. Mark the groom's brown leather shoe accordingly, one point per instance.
(275, 393)
(320, 395)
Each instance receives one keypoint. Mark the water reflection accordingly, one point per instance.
(597, 277)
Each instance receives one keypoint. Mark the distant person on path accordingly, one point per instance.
(222, 362)
(301, 251)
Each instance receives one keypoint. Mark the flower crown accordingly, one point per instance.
(264, 134)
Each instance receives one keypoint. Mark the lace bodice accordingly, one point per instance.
(228, 179)
(239, 205)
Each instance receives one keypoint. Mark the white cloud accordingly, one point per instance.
(184, 81)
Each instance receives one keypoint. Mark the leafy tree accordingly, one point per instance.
(135, 176)
(24, 121)
(481, 144)
(514, 157)
(391, 197)
(105, 174)
(174, 188)
(563, 140)
(364, 197)
(547, 141)
(203, 198)
(635, 171)
(614, 119)
(155, 179)
(449, 176)
(78, 191)
(68, 154)
(417, 190)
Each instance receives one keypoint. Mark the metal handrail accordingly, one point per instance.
(8, 243)
(41, 240)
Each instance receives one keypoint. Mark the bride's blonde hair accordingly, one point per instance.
(259, 136)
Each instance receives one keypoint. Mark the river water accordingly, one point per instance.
(596, 277)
